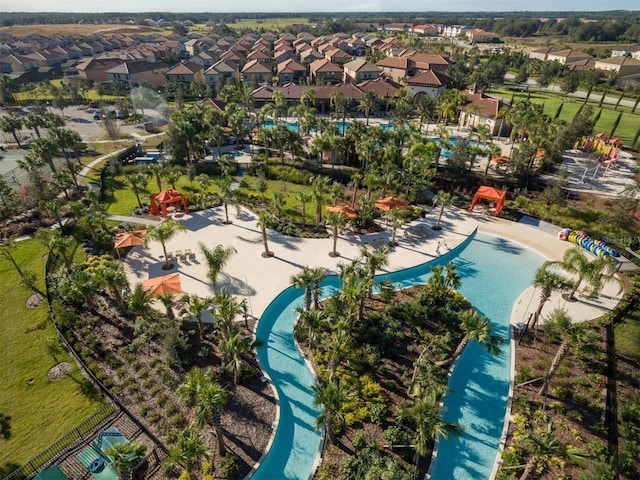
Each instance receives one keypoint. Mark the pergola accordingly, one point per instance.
(167, 197)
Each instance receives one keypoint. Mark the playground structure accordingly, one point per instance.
(607, 152)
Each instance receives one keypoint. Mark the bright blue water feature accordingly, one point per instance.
(495, 272)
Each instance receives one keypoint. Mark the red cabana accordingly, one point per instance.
(616, 142)
(167, 197)
(491, 194)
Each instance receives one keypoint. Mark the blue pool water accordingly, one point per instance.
(495, 272)
(293, 126)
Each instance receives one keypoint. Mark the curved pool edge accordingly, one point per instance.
(444, 258)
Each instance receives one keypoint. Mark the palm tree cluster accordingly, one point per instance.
(348, 342)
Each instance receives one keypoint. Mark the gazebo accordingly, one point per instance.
(167, 197)
(491, 194)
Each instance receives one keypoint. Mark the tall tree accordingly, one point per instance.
(548, 282)
(217, 258)
(163, 232)
(580, 336)
(209, 399)
(331, 395)
(264, 219)
(195, 307)
(595, 272)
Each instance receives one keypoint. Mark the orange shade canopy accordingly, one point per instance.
(390, 203)
(493, 195)
(162, 285)
(345, 210)
(130, 239)
(501, 159)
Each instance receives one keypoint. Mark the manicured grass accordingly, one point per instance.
(626, 129)
(628, 336)
(43, 411)
(292, 206)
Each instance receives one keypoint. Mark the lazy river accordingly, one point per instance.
(494, 273)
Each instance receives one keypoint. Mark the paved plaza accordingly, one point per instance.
(259, 280)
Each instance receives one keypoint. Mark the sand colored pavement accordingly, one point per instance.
(259, 280)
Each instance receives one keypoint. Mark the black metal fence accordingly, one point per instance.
(53, 451)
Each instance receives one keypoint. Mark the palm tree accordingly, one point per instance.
(163, 232)
(491, 151)
(331, 396)
(115, 279)
(234, 350)
(425, 416)
(318, 274)
(373, 261)
(595, 272)
(125, 457)
(571, 335)
(304, 197)
(340, 103)
(137, 180)
(443, 199)
(195, 307)
(336, 221)
(475, 327)
(11, 124)
(264, 218)
(139, 300)
(396, 216)
(188, 452)
(200, 390)
(304, 280)
(367, 103)
(308, 98)
(227, 309)
(548, 282)
(217, 258)
(545, 446)
(168, 300)
(319, 186)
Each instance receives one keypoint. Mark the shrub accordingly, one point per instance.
(230, 466)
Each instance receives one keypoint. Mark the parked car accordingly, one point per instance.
(96, 115)
(93, 104)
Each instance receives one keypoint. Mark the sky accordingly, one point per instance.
(309, 6)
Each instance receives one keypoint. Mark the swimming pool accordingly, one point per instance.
(479, 383)
(293, 126)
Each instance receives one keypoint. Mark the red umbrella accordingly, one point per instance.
(129, 239)
(345, 210)
(390, 203)
(162, 285)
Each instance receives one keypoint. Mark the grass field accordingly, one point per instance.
(268, 23)
(628, 336)
(626, 129)
(40, 411)
(76, 29)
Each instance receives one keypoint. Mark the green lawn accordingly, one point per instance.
(292, 206)
(268, 23)
(626, 129)
(42, 411)
(628, 337)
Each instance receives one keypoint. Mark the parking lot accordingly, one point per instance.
(79, 119)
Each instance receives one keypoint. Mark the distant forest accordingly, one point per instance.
(609, 26)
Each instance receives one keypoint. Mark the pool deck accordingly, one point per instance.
(249, 275)
(259, 280)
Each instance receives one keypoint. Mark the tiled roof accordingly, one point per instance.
(361, 65)
(294, 92)
(429, 78)
(323, 65)
(383, 87)
(254, 66)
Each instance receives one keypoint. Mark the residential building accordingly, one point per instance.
(482, 110)
(621, 66)
(185, 72)
(139, 73)
(324, 70)
(291, 71)
(360, 70)
(256, 72)
(431, 83)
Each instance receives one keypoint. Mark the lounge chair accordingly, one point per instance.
(97, 465)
